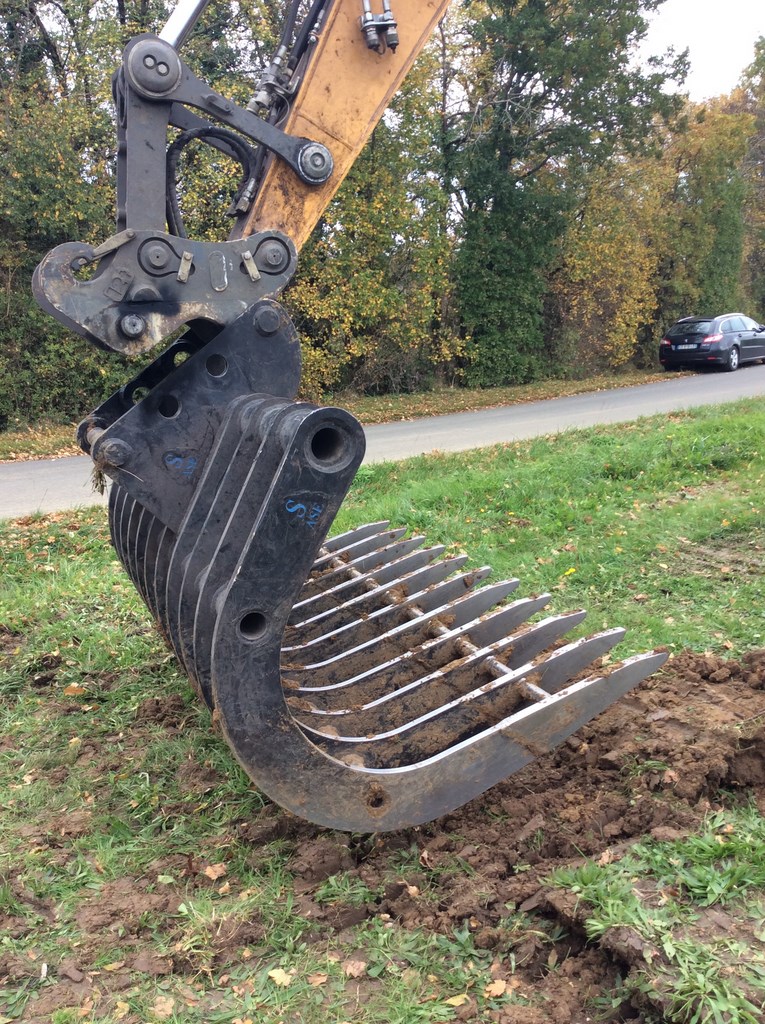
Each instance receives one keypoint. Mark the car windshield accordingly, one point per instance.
(694, 327)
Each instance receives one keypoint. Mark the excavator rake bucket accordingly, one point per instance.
(365, 682)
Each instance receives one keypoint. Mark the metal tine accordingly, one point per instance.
(165, 546)
(207, 515)
(553, 674)
(122, 533)
(268, 450)
(327, 563)
(376, 598)
(116, 497)
(150, 561)
(115, 517)
(349, 656)
(350, 634)
(347, 573)
(342, 540)
(538, 637)
(445, 707)
(138, 549)
(430, 655)
(440, 728)
(130, 521)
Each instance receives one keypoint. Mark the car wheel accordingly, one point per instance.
(733, 360)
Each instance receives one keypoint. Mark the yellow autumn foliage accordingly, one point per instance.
(611, 255)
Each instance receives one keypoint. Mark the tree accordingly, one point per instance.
(555, 89)
(606, 282)
(702, 252)
(753, 101)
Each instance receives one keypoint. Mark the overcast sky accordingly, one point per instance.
(720, 35)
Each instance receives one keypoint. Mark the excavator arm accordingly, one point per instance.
(363, 681)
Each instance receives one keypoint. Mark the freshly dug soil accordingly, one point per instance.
(690, 739)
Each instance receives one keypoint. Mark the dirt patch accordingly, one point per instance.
(689, 739)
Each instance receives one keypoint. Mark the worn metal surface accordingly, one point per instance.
(127, 288)
(364, 682)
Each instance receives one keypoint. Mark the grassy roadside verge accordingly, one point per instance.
(144, 879)
(48, 440)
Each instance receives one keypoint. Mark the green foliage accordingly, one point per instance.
(472, 241)
(554, 93)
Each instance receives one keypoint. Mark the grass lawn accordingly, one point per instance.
(143, 878)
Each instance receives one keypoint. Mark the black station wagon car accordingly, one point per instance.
(726, 341)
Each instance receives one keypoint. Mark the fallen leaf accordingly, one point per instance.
(354, 968)
(74, 690)
(163, 1007)
(425, 859)
(280, 977)
(605, 858)
(114, 966)
(459, 1000)
(121, 1010)
(224, 889)
(215, 871)
(317, 979)
(495, 988)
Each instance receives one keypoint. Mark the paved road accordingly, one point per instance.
(55, 484)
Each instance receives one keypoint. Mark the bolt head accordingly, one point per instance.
(267, 321)
(132, 325)
(114, 452)
(315, 162)
(158, 256)
(273, 257)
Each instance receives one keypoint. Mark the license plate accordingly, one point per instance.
(682, 348)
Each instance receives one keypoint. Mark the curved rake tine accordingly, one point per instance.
(376, 599)
(116, 497)
(149, 563)
(366, 572)
(429, 718)
(410, 664)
